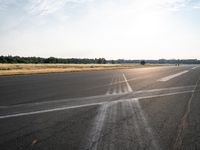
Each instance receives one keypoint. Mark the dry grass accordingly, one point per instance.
(13, 69)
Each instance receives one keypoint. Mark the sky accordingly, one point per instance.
(113, 29)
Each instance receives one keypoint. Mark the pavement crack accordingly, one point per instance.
(184, 121)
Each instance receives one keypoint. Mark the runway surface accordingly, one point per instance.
(129, 109)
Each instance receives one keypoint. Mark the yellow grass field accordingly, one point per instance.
(14, 69)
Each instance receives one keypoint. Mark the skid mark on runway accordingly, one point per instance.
(119, 85)
(109, 89)
(121, 123)
(95, 133)
(150, 135)
(115, 87)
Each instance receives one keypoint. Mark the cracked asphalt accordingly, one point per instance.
(128, 109)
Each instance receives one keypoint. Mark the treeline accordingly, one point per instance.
(160, 61)
(53, 60)
(50, 60)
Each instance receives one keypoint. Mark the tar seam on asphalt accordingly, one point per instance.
(183, 124)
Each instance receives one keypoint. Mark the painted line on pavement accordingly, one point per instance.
(194, 67)
(172, 76)
(127, 84)
(165, 89)
(94, 97)
(48, 110)
(86, 105)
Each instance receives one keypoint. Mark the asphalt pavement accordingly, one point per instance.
(128, 109)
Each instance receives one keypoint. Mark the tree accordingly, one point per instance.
(112, 62)
(142, 62)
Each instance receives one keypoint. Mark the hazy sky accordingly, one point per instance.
(130, 29)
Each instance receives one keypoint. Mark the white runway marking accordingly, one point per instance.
(194, 67)
(47, 110)
(128, 86)
(117, 86)
(165, 89)
(172, 76)
(154, 96)
(94, 97)
(86, 105)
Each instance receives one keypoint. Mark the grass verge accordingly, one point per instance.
(14, 69)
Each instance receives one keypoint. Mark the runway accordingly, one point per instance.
(146, 108)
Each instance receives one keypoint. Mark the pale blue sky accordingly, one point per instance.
(130, 29)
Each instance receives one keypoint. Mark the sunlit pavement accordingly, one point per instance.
(148, 108)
